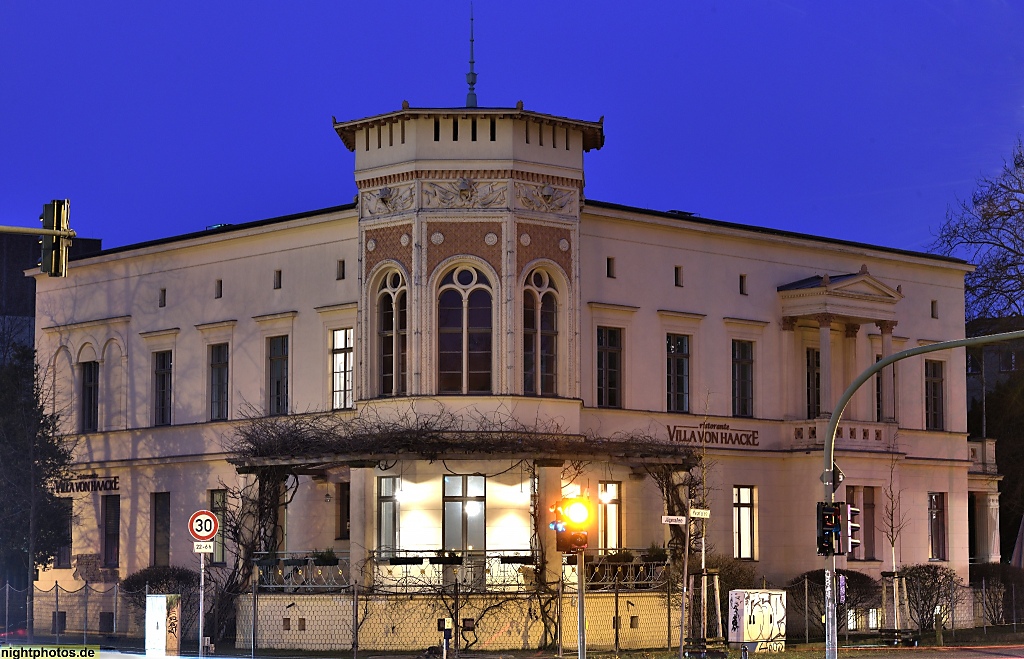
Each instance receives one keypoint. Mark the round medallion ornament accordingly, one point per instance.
(563, 245)
(491, 238)
(404, 240)
(524, 239)
(371, 245)
(437, 238)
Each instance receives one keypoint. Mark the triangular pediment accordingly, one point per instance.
(857, 295)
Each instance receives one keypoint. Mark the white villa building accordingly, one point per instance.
(472, 281)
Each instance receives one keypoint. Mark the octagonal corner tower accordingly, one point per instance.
(491, 193)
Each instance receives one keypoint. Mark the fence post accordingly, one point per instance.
(85, 614)
(456, 621)
(618, 622)
(56, 609)
(117, 594)
(1013, 604)
(807, 626)
(355, 619)
(558, 609)
(668, 608)
(984, 607)
(255, 581)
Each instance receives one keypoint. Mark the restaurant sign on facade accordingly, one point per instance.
(712, 433)
(91, 483)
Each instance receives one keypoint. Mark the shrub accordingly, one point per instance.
(164, 580)
(862, 592)
(930, 587)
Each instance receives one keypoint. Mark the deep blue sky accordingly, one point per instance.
(856, 120)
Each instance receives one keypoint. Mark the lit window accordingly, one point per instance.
(465, 513)
(743, 522)
(387, 514)
(609, 515)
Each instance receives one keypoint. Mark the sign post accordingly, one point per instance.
(203, 525)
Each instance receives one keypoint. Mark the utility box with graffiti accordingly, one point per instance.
(757, 620)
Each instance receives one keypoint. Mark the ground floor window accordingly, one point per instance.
(387, 514)
(465, 512)
(609, 515)
(743, 514)
(937, 526)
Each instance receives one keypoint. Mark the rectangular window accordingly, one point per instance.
(609, 267)
(678, 371)
(218, 289)
(743, 378)
(90, 396)
(160, 514)
(679, 276)
(343, 497)
(1011, 359)
(219, 507)
(933, 390)
(387, 515)
(341, 368)
(609, 515)
(937, 526)
(277, 375)
(935, 308)
(111, 530)
(162, 302)
(465, 513)
(743, 284)
(63, 556)
(867, 524)
(609, 367)
(813, 383)
(340, 273)
(743, 522)
(277, 279)
(219, 382)
(162, 392)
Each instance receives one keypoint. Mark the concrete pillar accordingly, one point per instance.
(888, 401)
(825, 347)
(986, 531)
(361, 505)
(549, 490)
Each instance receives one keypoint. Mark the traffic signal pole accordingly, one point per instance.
(581, 617)
(829, 454)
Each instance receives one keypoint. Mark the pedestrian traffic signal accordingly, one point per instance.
(55, 248)
(851, 527)
(829, 530)
(572, 516)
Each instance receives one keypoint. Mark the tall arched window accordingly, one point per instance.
(540, 335)
(464, 332)
(392, 325)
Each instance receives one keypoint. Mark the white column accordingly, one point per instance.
(825, 347)
(888, 402)
(851, 369)
(986, 517)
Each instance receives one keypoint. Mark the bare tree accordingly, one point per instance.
(894, 520)
(988, 230)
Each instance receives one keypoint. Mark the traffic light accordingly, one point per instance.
(850, 527)
(571, 518)
(55, 248)
(829, 530)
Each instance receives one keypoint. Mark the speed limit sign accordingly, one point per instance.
(203, 525)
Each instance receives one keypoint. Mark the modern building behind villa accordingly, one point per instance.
(472, 281)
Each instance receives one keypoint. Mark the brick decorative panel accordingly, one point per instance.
(388, 245)
(463, 238)
(544, 242)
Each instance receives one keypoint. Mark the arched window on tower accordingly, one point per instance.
(392, 326)
(464, 329)
(540, 335)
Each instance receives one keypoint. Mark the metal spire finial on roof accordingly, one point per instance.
(471, 76)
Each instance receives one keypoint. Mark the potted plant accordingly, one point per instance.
(655, 554)
(325, 557)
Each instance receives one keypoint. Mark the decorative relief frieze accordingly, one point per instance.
(386, 200)
(464, 193)
(546, 198)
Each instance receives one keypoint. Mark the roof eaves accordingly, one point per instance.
(689, 217)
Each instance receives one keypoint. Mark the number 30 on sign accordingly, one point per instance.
(203, 525)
